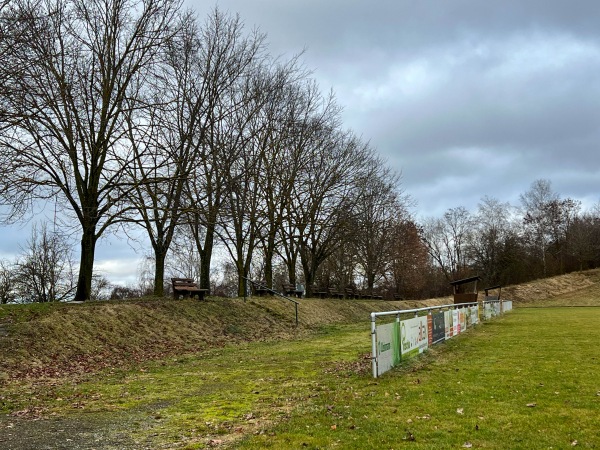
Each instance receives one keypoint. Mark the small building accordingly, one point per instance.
(463, 292)
(491, 288)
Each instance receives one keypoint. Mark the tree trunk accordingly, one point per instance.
(269, 252)
(86, 264)
(160, 256)
(241, 280)
(370, 282)
(309, 270)
(206, 257)
(291, 266)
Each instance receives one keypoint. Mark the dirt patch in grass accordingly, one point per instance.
(64, 433)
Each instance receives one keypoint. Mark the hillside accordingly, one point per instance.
(573, 289)
(54, 340)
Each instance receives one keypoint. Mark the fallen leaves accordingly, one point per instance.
(409, 437)
(29, 413)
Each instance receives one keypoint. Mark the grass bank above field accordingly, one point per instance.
(56, 339)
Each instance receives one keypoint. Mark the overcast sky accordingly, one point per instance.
(467, 98)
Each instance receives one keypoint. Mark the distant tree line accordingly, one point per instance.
(545, 235)
(133, 113)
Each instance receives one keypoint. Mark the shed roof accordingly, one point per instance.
(465, 280)
(492, 287)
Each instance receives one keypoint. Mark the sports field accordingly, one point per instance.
(529, 379)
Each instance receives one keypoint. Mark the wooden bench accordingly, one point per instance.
(187, 288)
(290, 289)
(334, 293)
(319, 292)
(351, 293)
(259, 288)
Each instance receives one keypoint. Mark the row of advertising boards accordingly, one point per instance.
(406, 338)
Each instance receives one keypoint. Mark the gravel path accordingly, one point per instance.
(86, 431)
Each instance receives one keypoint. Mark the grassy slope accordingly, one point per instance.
(51, 340)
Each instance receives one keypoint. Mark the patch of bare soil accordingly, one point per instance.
(73, 433)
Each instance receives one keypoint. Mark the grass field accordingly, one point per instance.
(530, 379)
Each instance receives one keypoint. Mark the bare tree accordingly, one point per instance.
(101, 287)
(536, 220)
(7, 282)
(44, 270)
(325, 196)
(297, 112)
(227, 64)
(376, 216)
(492, 227)
(82, 67)
(584, 240)
(241, 224)
(446, 239)
(409, 260)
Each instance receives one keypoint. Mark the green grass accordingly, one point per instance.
(473, 390)
(317, 392)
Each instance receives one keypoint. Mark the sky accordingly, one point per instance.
(466, 98)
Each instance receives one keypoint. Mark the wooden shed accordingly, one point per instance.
(491, 288)
(465, 290)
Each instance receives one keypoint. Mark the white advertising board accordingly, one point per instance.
(488, 310)
(462, 319)
(474, 314)
(455, 322)
(448, 323)
(497, 310)
(413, 336)
(388, 350)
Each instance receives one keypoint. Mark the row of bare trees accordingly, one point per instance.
(134, 113)
(544, 235)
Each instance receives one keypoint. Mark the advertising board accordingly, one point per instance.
(474, 310)
(438, 332)
(388, 348)
(448, 327)
(455, 322)
(413, 336)
(488, 311)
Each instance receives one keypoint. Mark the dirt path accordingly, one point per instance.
(85, 431)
